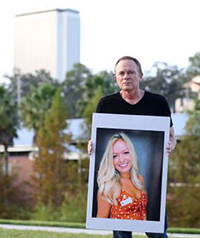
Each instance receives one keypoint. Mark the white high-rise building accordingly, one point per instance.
(48, 40)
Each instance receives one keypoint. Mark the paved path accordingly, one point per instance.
(87, 231)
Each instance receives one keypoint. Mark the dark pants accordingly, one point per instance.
(128, 234)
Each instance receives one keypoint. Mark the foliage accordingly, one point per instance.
(28, 81)
(72, 88)
(194, 66)
(193, 125)
(187, 154)
(104, 80)
(184, 196)
(80, 86)
(72, 209)
(83, 168)
(74, 206)
(44, 212)
(9, 122)
(50, 162)
(12, 202)
(35, 106)
(183, 207)
(91, 108)
(167, 82)
(10, 198)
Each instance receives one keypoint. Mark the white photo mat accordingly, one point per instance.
(151, 136)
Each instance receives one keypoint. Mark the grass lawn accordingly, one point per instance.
(82, 225)
(11, 233)
(7, 233)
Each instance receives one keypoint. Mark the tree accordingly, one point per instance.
(52, 140)
(194, 66)
(167, 82)
(104, 80)
(91, 107)
(9, 122)
(35, 106)
(185, 175)
(28, 81)
(80, 85)
(72, 88)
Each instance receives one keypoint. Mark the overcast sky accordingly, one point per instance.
(150, 30)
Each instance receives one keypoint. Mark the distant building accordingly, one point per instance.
(47, 40)
(192, 87)
(22, 154)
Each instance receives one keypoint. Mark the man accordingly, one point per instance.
(134, 101)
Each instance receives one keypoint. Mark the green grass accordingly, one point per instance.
(43, 223)
(44, 234)
(7, 233)
(72, 225)
(184, 230)
(12, 233)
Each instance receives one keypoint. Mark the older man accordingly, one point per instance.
(132, 100)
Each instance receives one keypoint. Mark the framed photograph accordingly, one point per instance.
(148, 136)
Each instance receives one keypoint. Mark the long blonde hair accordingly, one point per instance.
(108, 178)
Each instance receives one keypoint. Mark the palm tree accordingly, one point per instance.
(35, 106)
(9, 122)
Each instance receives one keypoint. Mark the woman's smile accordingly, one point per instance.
(123, 165)
(121, 156)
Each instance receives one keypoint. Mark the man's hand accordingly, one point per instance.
(169, 148)
(172, 141)
(89, 147)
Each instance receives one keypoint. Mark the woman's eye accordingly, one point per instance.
(126, 152)
(114, 156)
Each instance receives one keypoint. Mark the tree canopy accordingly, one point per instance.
(35, 106)
(50, 163)
(167, 81)
(28, 81)
(184, 174)
(194, 66)
(9, 121)
(72, 88)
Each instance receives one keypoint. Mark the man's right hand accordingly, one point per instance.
(89, 147)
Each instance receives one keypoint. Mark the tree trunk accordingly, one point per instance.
(6, 160)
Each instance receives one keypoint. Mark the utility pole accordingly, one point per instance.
(18, 90)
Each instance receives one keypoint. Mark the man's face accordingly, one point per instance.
(127, 75)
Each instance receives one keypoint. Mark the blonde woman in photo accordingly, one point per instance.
(121, 193)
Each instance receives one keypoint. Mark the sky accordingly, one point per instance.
(150, 30)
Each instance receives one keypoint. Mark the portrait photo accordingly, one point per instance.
(134, 146)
